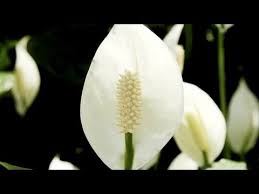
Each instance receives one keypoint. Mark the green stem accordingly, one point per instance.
(222, 83)
(206, 161)
(129, 154)
(221, 69)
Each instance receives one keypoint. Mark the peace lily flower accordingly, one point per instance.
(126, 110)
(57, 164)
(172, 39)
(183, 162)
(243, 119)
(203, 129)
(27, 78)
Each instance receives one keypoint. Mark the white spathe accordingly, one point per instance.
(136, 49)
(151, 163)
(57, 164)
(203, 127)
(243, 119)
(171, 40)
(27, 78)
(183, 162)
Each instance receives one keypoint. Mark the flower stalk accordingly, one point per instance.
(222, 82)
(129, 154)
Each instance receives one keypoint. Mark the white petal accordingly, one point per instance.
(213, 120)
(57, 164)
(172, 39)
(243, 119)
(133, 48)
(173, 36)
(183, 162)
(223, 27)
(27, 78)
(225, 164)
(151, 163)
(227, 26)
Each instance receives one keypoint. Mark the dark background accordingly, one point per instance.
(63, 53)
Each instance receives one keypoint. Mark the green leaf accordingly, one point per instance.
(6, 82)
(12, 167)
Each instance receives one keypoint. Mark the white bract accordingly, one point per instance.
(130, 86)
(243, 119)
(151, 163)
(57, 164)
(203, 128)
(183, 162)
(171, 40)
(27, 78)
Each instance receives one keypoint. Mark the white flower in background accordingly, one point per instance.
(27, 78)
(209, 36)
(203, 130)
(171, 40)
(224, 27)
(57, 164)
(225, 164)
(128, 91)
(183, 162)
(243, 119)
(6, 82)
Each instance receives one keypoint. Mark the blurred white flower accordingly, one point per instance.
(203, 130)
(183, 162)
(57, 164)
(129, 90)
(225, 164)
(171, 40)
(27, 78)
(209, 35)
(224, 27)
(6, 82)
(243, 119)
